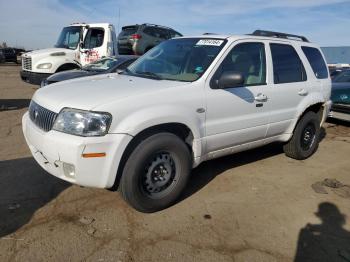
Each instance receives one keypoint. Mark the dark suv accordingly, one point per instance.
(138, 39)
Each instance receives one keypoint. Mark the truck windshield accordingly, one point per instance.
(184, 59)
(69, 37)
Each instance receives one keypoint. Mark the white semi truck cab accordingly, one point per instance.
(78, 44)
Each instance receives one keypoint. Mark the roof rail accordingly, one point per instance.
(279, 35)
(209, 33)
(162, 26)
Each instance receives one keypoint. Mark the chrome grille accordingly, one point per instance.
(27, 63)
(41, 117)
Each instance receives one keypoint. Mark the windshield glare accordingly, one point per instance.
(101, 65)
(184, 59)
(69, 37)
(342, 77)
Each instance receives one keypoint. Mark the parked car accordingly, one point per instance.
(102, 66)
(335, 72)
(186, 101)
(10, 55)
(340, 96)
(78, 44)
(2, 57)
(138, 39)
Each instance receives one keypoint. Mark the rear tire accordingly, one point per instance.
(156, 172)
(305, 139)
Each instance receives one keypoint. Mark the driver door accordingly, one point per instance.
(93, 46)
(238, 115)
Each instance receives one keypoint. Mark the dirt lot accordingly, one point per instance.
(254, 206)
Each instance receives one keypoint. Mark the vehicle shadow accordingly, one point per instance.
(13, 104)
(207, 171)
(327, 241)
(24, 188)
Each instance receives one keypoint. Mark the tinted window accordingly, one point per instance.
(316, 61)
(287, 66)
(161, 33)
(150, 31)
(248, 59)
(94, 38)
(126, 31)
(174, 34)
(342, 77)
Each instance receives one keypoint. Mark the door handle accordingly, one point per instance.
(303, 92)
(260, 97)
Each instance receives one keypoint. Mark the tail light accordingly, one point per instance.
(136, 36)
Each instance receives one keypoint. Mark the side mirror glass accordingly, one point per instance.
(230, 79)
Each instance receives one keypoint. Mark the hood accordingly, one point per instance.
(48, 51)
(340, 93)
(71, 74)
(89, 92)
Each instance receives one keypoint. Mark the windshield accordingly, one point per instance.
(342, 77)
(101, 65)
(69, 37)
(184, 59)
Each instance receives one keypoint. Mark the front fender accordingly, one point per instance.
(142, 119)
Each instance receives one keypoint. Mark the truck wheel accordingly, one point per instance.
(156, 172)
(305, 139)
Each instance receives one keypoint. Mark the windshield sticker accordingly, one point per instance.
(212, 42)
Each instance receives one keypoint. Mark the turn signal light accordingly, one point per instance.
(89, 155)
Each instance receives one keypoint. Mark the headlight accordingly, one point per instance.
(44, 66)
(82, 123)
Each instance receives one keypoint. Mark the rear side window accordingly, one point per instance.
(94, 38)
(287, 66)
(150, 31)
(175, 34)
(316, 61)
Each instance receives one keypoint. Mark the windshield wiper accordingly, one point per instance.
(149, 74)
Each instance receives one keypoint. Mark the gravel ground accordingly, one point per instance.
(253, 206)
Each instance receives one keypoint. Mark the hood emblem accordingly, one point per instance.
(343, 97)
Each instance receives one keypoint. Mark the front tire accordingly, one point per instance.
(156, 172)
(305, 139)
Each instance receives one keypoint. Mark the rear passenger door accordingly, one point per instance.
(289, 87)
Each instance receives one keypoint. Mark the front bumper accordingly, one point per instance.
(52, 150)
(33, 77)
(340, 111)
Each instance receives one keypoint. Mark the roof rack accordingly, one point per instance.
(279, 35)
(209, 33)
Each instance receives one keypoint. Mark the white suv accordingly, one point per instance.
(187, 100)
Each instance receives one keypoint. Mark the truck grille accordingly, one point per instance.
(27, 63)
(41, 117)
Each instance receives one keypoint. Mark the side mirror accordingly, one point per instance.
(81, 45)
(230, 79)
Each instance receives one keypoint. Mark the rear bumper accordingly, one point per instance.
(32, 77)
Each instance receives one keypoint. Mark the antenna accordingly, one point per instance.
(118, 21)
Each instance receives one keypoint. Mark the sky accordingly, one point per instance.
(36, 24)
